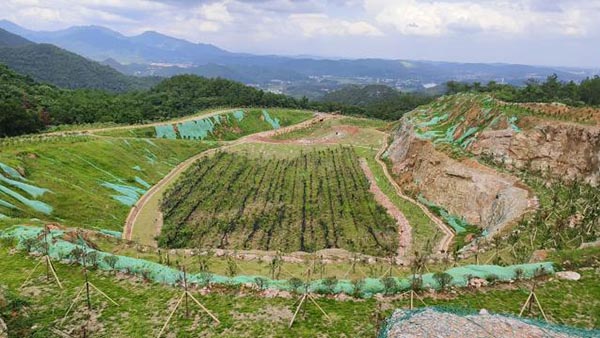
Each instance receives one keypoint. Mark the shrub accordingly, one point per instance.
(295, 283)
(443, 279)
(330, 283)
(390, 285)
(261, 283)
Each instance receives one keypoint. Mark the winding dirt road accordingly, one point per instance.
(444, 244)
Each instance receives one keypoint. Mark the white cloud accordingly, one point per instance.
(443, 17)
(322, 25)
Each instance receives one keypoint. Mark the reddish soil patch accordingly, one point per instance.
(404, 230)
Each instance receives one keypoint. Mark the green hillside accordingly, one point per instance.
(53, 65)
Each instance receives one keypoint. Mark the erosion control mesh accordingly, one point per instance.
(456, 322)
(31, 238)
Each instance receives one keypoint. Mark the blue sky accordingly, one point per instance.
(546, 32)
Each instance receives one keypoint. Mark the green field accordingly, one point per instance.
(316, 200)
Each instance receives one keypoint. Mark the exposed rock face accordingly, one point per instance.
(465, 188)
(567, 150)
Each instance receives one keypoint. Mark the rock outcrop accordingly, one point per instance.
(465, 188)
(567, 150)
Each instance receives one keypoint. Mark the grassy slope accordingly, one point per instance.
(75, 171)
(250, 124)
(574, 303)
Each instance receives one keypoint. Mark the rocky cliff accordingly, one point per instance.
(481, 195)
(567, 150)
(438, 149)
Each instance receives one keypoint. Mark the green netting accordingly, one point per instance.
(239, 115)
(405, 315)
(129, 194)
(32, 190)
(150, 156)
(512, 122)
(466, 137)
(137, 168)
(60, 249)
(149, 141)
(112, 233)
(143, 183)
(273, 122)
(10, 171)
(165, 131)
(434, 121)
(198, 129)
(7, 204)
(458, 224)
(33, 204)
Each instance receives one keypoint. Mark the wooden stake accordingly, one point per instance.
(170, 316)
(297, 310)
(204, 308)
(183, 297)
(529, 304)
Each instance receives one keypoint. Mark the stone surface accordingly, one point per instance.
(568, 275)
(563, 149)
(432, 323)
(483, 196)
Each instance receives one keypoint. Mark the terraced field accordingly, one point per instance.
(318, 199)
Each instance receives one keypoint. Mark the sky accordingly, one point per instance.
(538, 32)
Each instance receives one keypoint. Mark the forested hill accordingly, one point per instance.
(50, 64)
(27, 106)
(377, 101)
(8, 39)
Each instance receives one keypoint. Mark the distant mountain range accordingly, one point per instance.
(152, 53)
(50, 64)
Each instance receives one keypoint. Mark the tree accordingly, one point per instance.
(111, 261)
(16, 120)
(295, 283)
(261, 283)
(443, 279)
(330, 283)
(390, 285)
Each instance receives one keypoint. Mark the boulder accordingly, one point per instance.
(477, 282)
(568, 275)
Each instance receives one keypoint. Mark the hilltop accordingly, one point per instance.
(50, 64)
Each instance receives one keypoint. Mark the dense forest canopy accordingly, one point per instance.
(551, 90)
(378, 101)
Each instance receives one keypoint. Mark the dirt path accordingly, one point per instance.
(404, 229)
(444, 244)
(147, 205)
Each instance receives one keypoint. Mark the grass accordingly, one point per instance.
(74, 173)
(425, 233)
(228, 129)
(244, 314)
